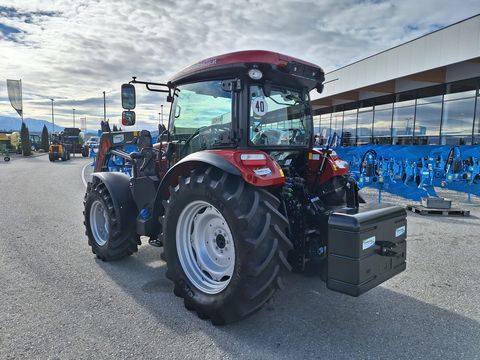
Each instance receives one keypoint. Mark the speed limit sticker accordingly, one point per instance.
(259, 106)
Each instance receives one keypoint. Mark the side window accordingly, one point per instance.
(201, 117)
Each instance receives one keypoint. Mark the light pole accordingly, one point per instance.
(53, 119)
(73, 110)
(161, 107)
(104, 108)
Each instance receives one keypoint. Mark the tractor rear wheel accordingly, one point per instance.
(107, 238)
(225, 245)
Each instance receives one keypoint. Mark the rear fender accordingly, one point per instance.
(262, 173)
(226, 160)
(118, 186)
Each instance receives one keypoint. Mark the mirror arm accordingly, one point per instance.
(149, 84)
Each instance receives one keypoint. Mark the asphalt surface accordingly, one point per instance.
(57, 301)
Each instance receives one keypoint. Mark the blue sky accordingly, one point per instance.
(74, 50)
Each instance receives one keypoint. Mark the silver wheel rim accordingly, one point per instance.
(99, 222)
(205, 247)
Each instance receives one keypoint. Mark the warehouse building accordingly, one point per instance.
(423, 92)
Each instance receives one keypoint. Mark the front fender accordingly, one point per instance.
(118, 186)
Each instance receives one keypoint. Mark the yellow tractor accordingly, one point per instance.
(5, 145)
(57, 150)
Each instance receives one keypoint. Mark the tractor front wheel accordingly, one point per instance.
(85, 151)
(225, 245)
(108, 239)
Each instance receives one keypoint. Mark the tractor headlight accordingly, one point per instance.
(255, 74)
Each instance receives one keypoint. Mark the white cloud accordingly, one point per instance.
(74, 50)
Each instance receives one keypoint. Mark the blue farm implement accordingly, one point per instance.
(413, 172)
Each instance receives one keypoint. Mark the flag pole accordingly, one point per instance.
(21, 97)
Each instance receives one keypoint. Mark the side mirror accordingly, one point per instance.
(128, 97)
(128, 118)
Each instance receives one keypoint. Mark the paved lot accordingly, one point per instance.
(58, 301)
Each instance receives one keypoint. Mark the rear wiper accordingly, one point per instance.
(280, 103)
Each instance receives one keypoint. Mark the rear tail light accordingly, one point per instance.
(253, 159)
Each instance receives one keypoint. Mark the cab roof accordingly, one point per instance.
(274, 66)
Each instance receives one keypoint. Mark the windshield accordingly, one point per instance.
(281, 119)
(202, 108)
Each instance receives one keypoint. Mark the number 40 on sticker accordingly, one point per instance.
(259, 106)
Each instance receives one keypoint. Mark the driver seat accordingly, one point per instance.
(145, 146)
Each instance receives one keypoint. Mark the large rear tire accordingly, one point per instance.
(225, 245)
(107, 238)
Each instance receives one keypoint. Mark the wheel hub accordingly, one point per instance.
(205, 247)
(220, 240)
(99, 223)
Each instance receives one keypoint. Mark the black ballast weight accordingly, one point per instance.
(366, 246)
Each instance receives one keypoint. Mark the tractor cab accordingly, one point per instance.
(235, 192)
(250, 99)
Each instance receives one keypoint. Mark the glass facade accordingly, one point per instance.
(382, 126)
(449, 115)
(457, 121)
(364, 126)
(476, 130)
(403, 120)
(427, 123)
(349, 134)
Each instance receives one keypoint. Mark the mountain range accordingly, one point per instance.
(35, 126)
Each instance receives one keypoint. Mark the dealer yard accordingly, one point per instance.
(58, 301)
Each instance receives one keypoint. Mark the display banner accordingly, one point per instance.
(14, 88)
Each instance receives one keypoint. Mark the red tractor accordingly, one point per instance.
(235, 192)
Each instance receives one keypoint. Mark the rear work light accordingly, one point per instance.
(255, 74)
(253, 159)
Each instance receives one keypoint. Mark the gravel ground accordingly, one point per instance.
(57, 301)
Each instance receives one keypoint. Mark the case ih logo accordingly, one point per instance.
(206, 63)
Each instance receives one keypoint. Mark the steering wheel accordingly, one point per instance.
(147, 155)
(267, 137)
(209, 134)
(298, 136)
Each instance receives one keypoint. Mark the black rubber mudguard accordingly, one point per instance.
(118, 185)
